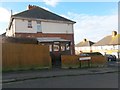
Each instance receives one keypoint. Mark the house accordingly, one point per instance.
(83, 46)
(109, 44)
(48, 28)
(37, 22)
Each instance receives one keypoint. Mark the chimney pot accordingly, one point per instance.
(31, 7)
(85, 40)
(114, 33)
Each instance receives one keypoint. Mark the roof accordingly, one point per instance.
(4, 34)
(84, 43)
(115, 40)
(52, 39)
(109, 40)
(40, 13)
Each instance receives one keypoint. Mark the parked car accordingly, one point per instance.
(110, 57)
(90, 54)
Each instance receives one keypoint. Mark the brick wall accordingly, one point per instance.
(63, 36)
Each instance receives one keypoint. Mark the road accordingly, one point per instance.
(107, 80)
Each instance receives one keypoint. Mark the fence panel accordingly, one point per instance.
(72, 61)
(25, 55)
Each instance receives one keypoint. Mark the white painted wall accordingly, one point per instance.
(11, 32)
(49, 27)
(22, 26)
(83, 49)
(117, 47)
(106, 47)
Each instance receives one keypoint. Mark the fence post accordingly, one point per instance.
(80, 63)
(88, 63)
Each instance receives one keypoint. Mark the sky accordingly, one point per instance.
(94, 20)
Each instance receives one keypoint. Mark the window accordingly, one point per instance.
(56, 47)
(50, 48)
(62, 47)
(68, 46)
(39, 26)
(29, 24)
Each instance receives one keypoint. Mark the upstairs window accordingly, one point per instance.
(39, 26)
(29, 24)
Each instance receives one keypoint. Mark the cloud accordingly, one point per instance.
(93, 27)
(52, 3)
(46, 8)
(4, 15)
(4, 19)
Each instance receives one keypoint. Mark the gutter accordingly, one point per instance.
(44, 20)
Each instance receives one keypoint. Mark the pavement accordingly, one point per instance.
(15, 76)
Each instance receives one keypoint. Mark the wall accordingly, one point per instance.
(105, 47)
(22, 26)
(63, 36)
(83, 49)
(49, 27)
(11, 32)
(25, 56)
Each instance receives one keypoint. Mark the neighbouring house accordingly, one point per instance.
(83, 46)
(109, 45)
(48, 28)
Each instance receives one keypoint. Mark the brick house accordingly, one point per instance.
(48, 28)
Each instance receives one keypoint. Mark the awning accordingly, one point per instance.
(52, 39)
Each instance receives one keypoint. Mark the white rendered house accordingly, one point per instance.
(37, 22)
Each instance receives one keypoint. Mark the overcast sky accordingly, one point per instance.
(94, 20)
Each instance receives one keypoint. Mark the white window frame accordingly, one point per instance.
(39, 29)
(29, 24)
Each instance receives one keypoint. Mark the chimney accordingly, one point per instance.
(85, 40)
(114, 33)
(31, 7)
(11, 13)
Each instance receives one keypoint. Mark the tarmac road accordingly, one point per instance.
(106, 80)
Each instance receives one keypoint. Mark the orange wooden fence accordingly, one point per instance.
(72, 61)
(25, 55)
